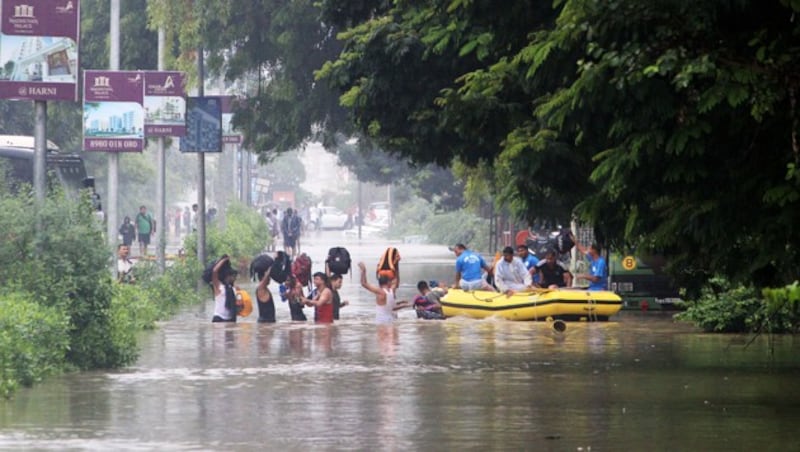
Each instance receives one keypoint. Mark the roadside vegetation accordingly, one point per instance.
(725, 307)
(60, 308)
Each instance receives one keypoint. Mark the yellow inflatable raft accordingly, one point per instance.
(535, 304)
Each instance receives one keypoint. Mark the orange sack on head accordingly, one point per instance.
(387, 266)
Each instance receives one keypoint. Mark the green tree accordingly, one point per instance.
(631, 114)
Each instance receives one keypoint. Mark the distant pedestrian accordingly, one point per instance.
(187, 220)
(290, 228)
(177, 219)
(127, 231)
(145, 227)
(195, 209)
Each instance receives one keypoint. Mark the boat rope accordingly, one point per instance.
(592, 310)
(488, 299)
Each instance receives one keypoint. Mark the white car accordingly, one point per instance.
(332, 218)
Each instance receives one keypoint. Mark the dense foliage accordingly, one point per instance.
(59, 306)
(724, 307)
(34, 340)
(671, 126)
(245, 235)
(628, 112)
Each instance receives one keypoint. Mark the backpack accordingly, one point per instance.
(339, 260)
(386, 266)
(281, 267)
(301, 269)
(207, 272)
(259, 266)
(564, 241)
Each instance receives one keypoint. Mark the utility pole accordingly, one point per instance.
(161, 186)
(201, 172)
(40, 150)
(113, 157)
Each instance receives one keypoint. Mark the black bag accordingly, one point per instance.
(259, 266)
(564, 241)
(339, 260)
(207, 273)
(281, 267)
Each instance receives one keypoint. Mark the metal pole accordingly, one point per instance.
(161, 186)
(40, 150)
(113, 157)
(360, 210)
(240, 169)
(201, 173)
(246, 181)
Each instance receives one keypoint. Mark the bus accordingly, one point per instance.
(63, 169)
(642, 283)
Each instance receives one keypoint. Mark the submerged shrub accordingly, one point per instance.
(244, 236)
(726, 308)
(33, 341)
(57, 252)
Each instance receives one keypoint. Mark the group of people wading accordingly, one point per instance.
(294, 277)
(510, 273)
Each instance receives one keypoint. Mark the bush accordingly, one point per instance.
(460, 226)
(59, 249)
(162, 294)
(411, 218)
(245, 235)
(33, 341)
(725, 308)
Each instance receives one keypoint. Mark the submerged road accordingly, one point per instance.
(638, 382)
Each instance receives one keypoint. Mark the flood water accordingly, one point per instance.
(637, 382)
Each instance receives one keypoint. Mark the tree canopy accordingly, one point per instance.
(670, 126)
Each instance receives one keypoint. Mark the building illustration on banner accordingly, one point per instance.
(38, 58)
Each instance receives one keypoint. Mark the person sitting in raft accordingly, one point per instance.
(510, 274)
(427, 304)
(598, 270)
(552, 272)
(469, 265)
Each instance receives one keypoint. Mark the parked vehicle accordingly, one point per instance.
(16, 160)
(332, 218)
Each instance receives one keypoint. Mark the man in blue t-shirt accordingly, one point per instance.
(598, 270)
(530, 262)
(469, 267)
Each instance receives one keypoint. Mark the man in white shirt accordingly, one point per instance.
(510, 274)
(124, 265)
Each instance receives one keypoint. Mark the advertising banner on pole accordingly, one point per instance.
(229, 135)
(164, 104)
(39, 49)
(113, 111)
(203, 125)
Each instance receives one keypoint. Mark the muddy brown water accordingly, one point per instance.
(637, 382)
